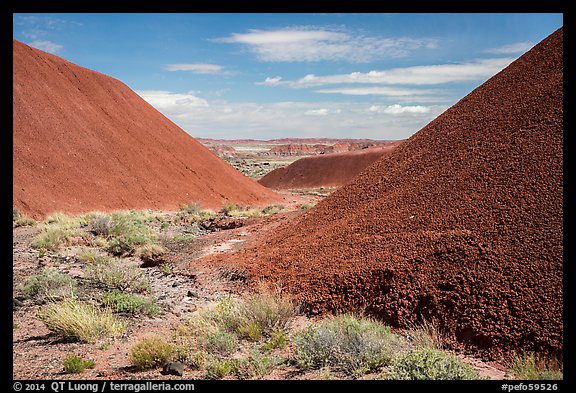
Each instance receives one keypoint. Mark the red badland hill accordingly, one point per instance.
(461, 224)
(329, 170)
(84, 141)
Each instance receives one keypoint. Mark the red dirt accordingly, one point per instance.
(461, 224)
(84, 141)
(330, 170)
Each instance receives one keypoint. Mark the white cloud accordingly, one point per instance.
(34, 34)
(518, 47)
(213, 118)
(271, 81)
(197, 68)
(317, 112)
(308, 44)
(383, 91)
(397, 109)
(46, 46)
(173, 103)
(480, 69)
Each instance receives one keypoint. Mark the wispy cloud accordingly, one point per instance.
(518, 47)
(317, 112)
(397, 109)
(173, 103)
(275, 81)
(479, 69)
(382, 91)
(46, 46)
(39, 28)
(212, 118)
(310, 44)
(197, 68)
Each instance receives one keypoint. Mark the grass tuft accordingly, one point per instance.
(530, 367)
(20, 219)
(256, 365)
(218, 368)
(221, 343)
(272, 209)
(128, 303)
(74, 364)
(113, 273)
(270, 311)
(151, 352)
(77, 321)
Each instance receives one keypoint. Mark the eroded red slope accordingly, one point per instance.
(462, 224)
(327, 170)
(84, 141)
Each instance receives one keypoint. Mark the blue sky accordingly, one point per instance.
(264, 76)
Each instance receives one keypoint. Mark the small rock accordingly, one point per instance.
(192, 294)
(173, 368)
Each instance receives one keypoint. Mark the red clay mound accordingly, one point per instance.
(330, 170)
(85, 141)
(461, 224)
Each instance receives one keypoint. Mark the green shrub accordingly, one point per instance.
(218, 369)
(221, 342)
(151, 352)
(50, 284)
(305, 206)
(186, 237)
(51, 237)
(225, 315)
(87, 256)
(256, 365)
(245, 213)
(278, 339)
(20, 219)
(198, 361)
(166, 270)
(353, 345)
(193, 208)
(116, 274)
(272, 209)
(270, 311)
(250, 331)
(127, 231)
(431, 364)
(264, 314)
(100, 224)
(151, 254)
(74, 364)
(529, 367)
(128, 303)
(228, 208)
(77, 321)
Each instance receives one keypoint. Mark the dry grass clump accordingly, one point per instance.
(77, 321)
(151, 352)
(528, 366)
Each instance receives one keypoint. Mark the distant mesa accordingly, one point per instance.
(223, 151)
(326, 170)
(84, 141)
(301, 149)
(460, 225)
